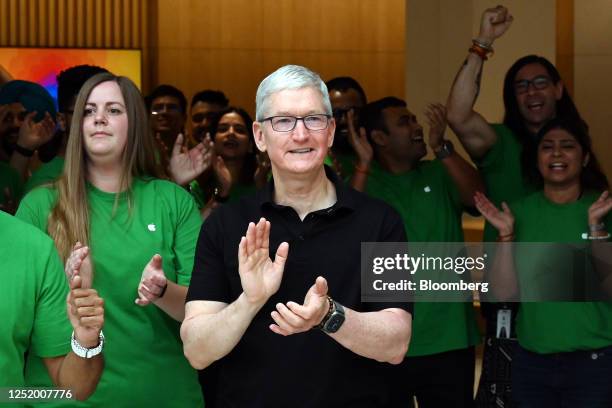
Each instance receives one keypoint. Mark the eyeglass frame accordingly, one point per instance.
(159, 108)
(532, 82)
(298, 118)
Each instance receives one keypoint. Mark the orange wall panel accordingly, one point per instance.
(232, 44)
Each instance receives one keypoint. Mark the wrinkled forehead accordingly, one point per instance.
(295, 102)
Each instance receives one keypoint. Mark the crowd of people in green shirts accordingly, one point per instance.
(134, 205)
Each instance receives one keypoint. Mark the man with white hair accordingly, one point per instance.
(247, 311)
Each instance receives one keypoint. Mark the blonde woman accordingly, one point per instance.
(140, 233)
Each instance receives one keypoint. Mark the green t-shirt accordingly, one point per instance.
(11, 181)
(429, 203)
(32, 299)
(46, 173)
(501, 171)
(553, 327)
(145, 365)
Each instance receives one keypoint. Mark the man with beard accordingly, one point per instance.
(431, 197)
(168, 106)
(505, 154)
(204, 105)
(350, 155)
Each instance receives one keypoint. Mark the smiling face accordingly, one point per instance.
(404, 140)
(299, 151)
(202, 115)
(167, 117)
(560, 158)
(537, 106)
(232, 139)
(105, 124)
(342, 102)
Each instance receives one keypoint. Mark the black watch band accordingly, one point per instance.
(334, 318)
(163, 291)
(23, 151)
(330, 310)
(446, 150)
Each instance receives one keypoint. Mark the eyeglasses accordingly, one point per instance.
(539, 83)
(287, 123)
(167, 107)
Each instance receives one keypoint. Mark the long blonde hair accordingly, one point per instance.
(69, 219)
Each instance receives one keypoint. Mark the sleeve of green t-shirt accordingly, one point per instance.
(496, 153)
(51, 329)
(36, 206)
(188, 224)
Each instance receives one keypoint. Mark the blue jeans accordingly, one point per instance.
(579, 379)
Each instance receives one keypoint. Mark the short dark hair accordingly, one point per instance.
(371, 116)
(70, 81)
(210, 96)
(166, 90)
(592, 177)
(345, 83)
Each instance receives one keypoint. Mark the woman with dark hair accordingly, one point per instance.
(564, 357)
(140, 233)
(519, 116)
(237, 170)
(504, 153)
(533, 94)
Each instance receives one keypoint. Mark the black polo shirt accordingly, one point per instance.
(308, 369)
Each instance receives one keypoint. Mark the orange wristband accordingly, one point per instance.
(481, 52)
(505, 238)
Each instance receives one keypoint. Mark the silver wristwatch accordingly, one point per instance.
(85, 352)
